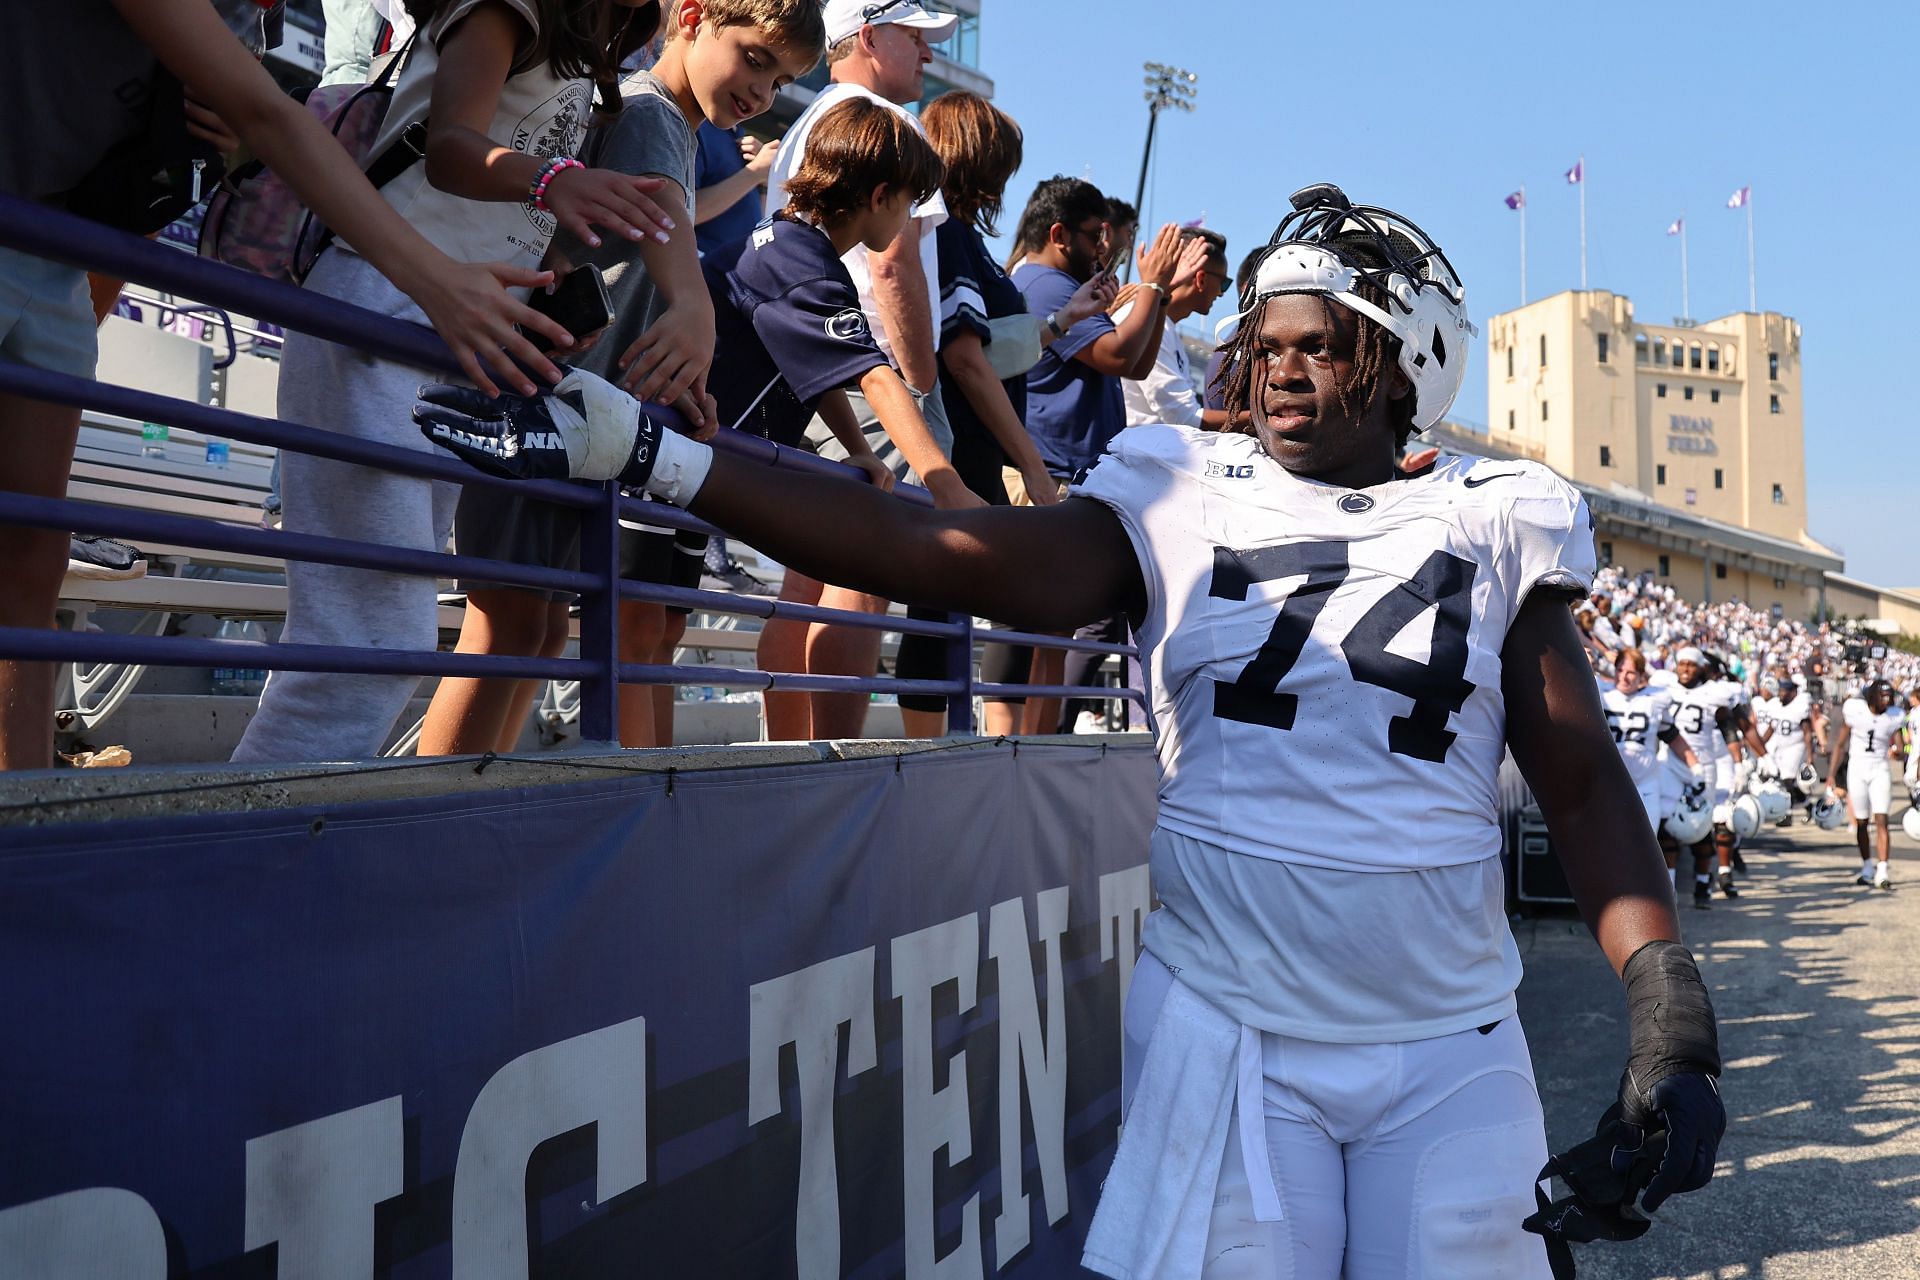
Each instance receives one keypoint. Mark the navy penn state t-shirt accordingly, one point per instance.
(788, 328)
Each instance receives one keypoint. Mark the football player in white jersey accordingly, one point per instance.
(1784, 717)
(1912, 772)
(1703, 712)
(1640, 717)
(1870, 728)
(1323, 1058)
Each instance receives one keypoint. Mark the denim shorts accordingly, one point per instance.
(46, 315)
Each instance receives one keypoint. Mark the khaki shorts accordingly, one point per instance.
(1017, 487)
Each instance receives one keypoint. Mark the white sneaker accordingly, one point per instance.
(1881, 880)
(1090, 722)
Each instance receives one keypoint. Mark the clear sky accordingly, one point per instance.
(1439, 111)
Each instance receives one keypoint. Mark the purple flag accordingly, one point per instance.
(1579, 170)
(1518, 200)
(1741, 198)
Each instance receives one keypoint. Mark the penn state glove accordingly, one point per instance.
(585, 428)
(1663, 1133)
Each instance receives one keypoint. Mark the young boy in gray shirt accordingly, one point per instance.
(724, 61)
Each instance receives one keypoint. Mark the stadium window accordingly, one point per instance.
(1679, 356)
(1510, 419)
(1779, 496)
(1600, 340)
(1713, 359)
(1543, 411)
(1773, 366)
(1660, 390)
(1719, 478)
(1779, 584)
(1719, 571)
(1666, 570)
(1686, 393)
(1606, 553)
(1509, 362)
(1606, 456)
(1714, 395)
(1693, 355)
(1543, 351)
(1639, 348)
(1773, 404)
(1659, 350)
(1660, 473)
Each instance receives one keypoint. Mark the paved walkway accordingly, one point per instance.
(1817, 984)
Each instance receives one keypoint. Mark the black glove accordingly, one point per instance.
(585, 428)
(1661, 1136)
(1673, 1062)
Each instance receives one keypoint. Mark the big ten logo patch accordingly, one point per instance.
(1231, 470)
(556, 127)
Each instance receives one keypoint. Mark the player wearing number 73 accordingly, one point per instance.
(1324, 1071)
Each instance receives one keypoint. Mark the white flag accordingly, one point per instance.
(1676, 226)
(1741, 198)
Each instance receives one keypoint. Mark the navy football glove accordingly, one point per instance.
(585, 428)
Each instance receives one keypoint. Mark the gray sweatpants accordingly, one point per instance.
(311, 715)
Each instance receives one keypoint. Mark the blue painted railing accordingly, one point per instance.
(56, 235)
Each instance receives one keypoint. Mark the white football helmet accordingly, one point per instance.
(1690, 821)
(1829, 814)
(1316, 249)
(1811, 783)
(1744, 817)
(1774, 800)
(1910, 823)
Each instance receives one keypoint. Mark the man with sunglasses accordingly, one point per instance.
(1171, 391)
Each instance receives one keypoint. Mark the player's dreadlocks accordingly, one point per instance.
(1376, 353)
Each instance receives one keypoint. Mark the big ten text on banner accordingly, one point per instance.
(855, 1018)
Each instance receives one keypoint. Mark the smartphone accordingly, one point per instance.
(580, 303)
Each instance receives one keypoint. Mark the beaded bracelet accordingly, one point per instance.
(553, 168)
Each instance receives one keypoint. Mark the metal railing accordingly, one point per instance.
(59, 236)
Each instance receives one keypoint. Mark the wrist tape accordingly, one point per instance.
(1670, 1023)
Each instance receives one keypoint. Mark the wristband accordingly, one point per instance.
(553, 168)
(1158, 290)
(1053, 325)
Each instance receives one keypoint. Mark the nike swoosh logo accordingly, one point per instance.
(1474, 483)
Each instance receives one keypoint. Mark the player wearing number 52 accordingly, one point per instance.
(1337, 658)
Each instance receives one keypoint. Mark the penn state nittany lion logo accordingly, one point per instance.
(848, 326)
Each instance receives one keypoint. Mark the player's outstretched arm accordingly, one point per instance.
(1052, 568)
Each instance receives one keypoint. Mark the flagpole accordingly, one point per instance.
(1582, 163)
(1753, 297)
(1523, 244)
(1686, 307)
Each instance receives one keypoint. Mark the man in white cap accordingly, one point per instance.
(877, 49)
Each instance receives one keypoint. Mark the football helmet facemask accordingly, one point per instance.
(1829, 814)
(1311, 252)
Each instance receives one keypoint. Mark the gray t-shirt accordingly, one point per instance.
(75, 81)
(650, 137)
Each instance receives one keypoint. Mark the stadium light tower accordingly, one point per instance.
(1167, 87)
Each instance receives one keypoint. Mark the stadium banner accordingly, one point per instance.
(852, 1018)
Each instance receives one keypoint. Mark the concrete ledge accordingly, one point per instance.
(50, 797)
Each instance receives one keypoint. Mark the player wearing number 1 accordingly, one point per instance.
(1324, 1071)
(1871, 725)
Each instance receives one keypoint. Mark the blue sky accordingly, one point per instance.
(1439, 111)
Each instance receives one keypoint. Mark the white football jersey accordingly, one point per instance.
(1696, 715)
(1868, 735)
(1787, 718)
(1637, 722)
(1324, 663)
